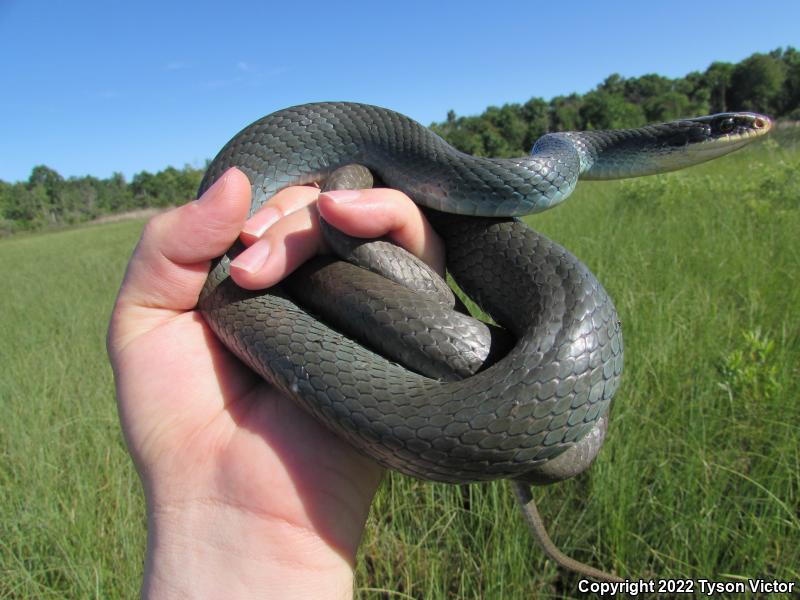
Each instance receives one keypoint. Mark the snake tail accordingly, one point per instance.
(538, 530)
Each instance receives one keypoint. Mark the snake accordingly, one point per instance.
(536, 411)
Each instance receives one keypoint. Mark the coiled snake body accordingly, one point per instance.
(545, 402)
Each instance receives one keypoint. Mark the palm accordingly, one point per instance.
(206, 422)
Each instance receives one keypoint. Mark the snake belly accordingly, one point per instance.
(541, 399)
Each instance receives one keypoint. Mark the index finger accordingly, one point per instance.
(289, 241)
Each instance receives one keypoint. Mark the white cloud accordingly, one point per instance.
(246, 74)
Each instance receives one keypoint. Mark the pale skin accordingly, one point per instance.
(247, 496)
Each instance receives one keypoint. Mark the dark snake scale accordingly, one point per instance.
(529, 409)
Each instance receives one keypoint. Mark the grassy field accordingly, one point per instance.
(699, 477)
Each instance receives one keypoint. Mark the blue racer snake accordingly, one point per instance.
(536, 414)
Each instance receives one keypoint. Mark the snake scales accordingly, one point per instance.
(538, 414)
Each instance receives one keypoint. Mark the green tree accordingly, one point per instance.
(114, 194)
(45, 188)
(462, 132)
(639, 90)
(566, 113)
(19, 206)
(791, 96)
(614, 84)
(718, 81)
(602, 110)
(694, 87)
(667, 106)
(46, 177)
(509, 123)
(536, 114)
(757, 84)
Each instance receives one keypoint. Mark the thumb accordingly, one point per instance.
(171, 260)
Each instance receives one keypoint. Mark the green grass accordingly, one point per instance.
(699, 477)
(72, 514)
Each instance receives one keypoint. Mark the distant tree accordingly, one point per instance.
(78, 200)
(791, 95)
(7, 224)
(38, 205)
(614, 84)
(566, 113)
(47, 177)
(602, 110)
(639, 90)
(114, 194)
(493, 143)
(20, 207)
(536, 115)
(667, 106)
(165, 188)
(694, 87)
(45, 189)
(509, 123)
(143, 189)
(462, 132)
(718, 81)
(757, 84)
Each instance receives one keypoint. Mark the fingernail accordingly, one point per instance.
(341, 196)
(261, 221)
(252, 259)
(217, 186)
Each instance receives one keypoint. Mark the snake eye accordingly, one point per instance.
(726, 126)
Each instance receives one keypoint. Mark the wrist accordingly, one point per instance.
(218, 551)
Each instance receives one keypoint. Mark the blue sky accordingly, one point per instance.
(97, 87)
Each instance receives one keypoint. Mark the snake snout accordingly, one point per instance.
(761, 123)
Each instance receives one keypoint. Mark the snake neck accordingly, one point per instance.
(621, 153)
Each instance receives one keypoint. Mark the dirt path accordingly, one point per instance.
(142, 213)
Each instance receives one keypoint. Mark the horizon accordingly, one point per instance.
(170, 91)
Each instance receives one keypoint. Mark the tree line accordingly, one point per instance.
(47, 199)
(767, 83)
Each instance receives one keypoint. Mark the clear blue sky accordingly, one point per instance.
(96, 87)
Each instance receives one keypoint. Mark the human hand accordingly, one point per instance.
(246, 494)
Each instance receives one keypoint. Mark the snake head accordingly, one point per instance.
(735, 127)
(688, 142)
(704, 138)
(666, 146)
